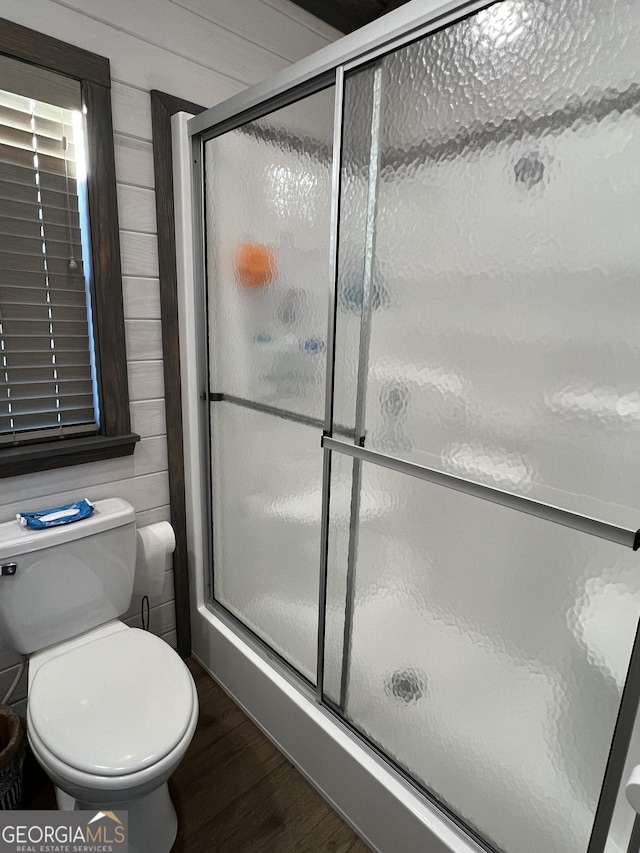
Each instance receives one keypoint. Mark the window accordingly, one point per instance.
(63, 386)
(47, 358)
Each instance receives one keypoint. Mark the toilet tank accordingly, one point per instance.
(68, 579)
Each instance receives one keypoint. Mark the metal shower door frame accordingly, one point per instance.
(415, 20)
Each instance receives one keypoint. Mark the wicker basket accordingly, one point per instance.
(12, 752)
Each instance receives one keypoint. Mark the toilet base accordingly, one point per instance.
(153, 824)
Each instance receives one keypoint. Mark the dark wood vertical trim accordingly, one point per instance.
(39, 49)
(106, 272)
(163, 106)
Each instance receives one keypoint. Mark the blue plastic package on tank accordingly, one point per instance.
(54, 517)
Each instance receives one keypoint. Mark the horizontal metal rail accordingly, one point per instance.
(548, 512)
(402, 24)
(277, 412)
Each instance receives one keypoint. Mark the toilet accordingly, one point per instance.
(111, 710)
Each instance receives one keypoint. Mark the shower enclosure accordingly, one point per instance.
(419, 354)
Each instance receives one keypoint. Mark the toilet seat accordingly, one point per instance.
(113, 706)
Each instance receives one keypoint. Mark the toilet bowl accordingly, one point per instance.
(109, 717)
(111, 710)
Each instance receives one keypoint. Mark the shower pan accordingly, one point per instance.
(413, 478)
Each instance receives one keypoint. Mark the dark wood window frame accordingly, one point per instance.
(115, 437)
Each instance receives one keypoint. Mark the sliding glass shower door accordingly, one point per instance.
(454, 317)
(268, 201)
(488, 246)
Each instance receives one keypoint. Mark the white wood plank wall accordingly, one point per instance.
(203, 51)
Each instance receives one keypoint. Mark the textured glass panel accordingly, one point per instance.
(268, 200)
(340, 521)
(505, 347)
(488, 654)
(266, 475)
(354, 182)
(532, 57)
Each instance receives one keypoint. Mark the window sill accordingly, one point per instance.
(64, 452)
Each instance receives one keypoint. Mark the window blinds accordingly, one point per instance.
(46, 360)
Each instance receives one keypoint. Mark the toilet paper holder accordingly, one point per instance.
(154, 545)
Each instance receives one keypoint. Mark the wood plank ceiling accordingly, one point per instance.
(348, 15)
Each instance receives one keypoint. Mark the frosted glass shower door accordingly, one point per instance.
(268, 201)
(488, 338)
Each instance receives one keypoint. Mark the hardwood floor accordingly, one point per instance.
(234, 792)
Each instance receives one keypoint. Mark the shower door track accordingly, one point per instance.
(277, 411)
(548, 512)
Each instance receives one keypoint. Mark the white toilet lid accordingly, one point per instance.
(113, 706)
